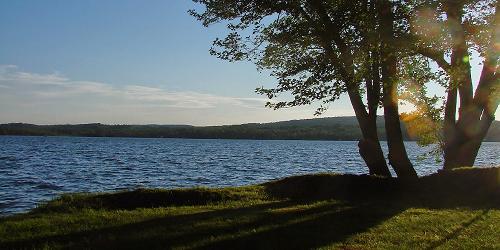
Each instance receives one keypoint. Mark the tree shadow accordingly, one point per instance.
(170, 222)
(459, 230)
(306, 232)
(271, 225)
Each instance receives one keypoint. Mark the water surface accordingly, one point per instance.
(35, 169)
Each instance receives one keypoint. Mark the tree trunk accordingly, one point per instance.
(462, 150)
(461, 153)
(370, 149)
(463, 138)
(398, 157)
(369, 146)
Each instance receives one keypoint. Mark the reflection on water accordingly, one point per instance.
(34, 169)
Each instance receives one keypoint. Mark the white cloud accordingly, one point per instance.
(10, 73)
(55, 99)
(55, 86)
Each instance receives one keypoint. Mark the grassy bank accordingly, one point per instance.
(458, 209)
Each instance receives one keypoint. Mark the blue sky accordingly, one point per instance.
(117, 42)
(124, 62)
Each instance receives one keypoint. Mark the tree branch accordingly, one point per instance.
(436, 56)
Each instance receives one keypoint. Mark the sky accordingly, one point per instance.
(125, 62)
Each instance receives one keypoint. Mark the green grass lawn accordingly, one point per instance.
(452, 210)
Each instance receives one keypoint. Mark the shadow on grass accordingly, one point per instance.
(302, 212)
(283, 224)
(457, 231)
(306, 232)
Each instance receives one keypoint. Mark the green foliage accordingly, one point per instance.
(312, 58)
(425, 121)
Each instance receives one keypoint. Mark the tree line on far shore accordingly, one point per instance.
(332, 128)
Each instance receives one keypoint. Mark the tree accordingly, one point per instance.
(448, 32)
(390, 56)
(316, 51)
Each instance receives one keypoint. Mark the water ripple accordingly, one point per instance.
(35, 169)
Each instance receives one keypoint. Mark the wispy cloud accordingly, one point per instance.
(55, 86)
(54, 98)
(186, 99)
(11, 74)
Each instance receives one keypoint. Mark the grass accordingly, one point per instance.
(449, 210)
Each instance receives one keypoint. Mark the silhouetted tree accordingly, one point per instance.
(447, 32)
(318, 50)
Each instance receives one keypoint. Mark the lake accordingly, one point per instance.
(35, 169)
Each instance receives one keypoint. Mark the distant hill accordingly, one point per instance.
(330, 128)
